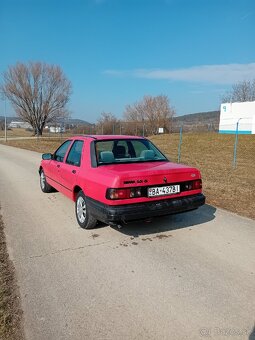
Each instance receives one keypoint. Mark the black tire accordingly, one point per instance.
(45, 187)
(83, 216)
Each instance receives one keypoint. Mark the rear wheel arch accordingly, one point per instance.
(76, 190)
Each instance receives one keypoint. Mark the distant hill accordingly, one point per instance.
(201, 121)
(76, 121)
(9, 119)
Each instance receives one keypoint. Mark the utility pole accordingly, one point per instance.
(5, 117)
(5, 125)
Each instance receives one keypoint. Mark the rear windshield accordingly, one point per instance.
(127, 151)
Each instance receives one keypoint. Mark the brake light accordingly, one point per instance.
(118, 194)
(197, 184)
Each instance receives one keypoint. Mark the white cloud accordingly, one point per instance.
(213, 74)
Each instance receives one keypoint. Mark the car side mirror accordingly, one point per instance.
(47, 156)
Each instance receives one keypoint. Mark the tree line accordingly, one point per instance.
(39, 94)
(145, 116)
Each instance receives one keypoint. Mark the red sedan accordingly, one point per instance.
(119, 179)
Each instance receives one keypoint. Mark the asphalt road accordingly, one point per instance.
(188, 276)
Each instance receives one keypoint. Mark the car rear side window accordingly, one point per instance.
(74, 156)
(59, 155)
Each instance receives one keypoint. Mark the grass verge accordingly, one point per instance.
(10, 311)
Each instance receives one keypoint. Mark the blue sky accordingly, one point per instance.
(116, 51)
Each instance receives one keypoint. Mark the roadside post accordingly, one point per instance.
(5, 116)
(5, 120)
(235, 146)
(180, 144)
(5, 128)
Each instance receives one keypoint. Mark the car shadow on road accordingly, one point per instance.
(252, 335)
(188, 219)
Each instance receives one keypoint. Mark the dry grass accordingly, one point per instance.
(37, 144)
(19, 132)
(10, 311)
(212, 153)
(15, 132)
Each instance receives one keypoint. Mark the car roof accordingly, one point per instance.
(105, 137)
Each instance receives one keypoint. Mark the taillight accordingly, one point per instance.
(197, 184)
(119, 194)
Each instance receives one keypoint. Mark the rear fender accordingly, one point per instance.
(76, 189)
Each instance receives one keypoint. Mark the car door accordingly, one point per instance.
(70, 168)
(53, 171)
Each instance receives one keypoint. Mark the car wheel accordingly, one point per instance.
(43, 183)
(83, 216)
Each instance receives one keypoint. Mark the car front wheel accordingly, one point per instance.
(83, 216)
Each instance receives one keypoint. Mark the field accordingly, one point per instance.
(23, 133)
(212, 153)
(16, 133)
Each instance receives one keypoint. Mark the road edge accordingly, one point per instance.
(11, 315)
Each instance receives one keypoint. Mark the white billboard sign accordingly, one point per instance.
(241, 113)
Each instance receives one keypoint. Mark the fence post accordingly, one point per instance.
(5, 128)
(179, 147)
(236, 142)
(5, 121)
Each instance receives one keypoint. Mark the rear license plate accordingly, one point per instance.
(161, 191)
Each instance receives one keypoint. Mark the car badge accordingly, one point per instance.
(193, 175)
(164, 179)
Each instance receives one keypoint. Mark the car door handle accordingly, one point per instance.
(74, 171)
(58, 166)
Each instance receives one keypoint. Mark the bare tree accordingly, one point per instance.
(107, 124)
(243, 91)
(38, 92)
(155, 112)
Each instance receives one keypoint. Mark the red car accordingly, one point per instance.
(119, 179)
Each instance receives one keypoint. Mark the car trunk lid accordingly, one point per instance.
(151, 173)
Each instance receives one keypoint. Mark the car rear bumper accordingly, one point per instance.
(140, 211)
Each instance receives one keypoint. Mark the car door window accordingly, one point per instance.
(74, 156)
(139, 146)
(59, 155)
